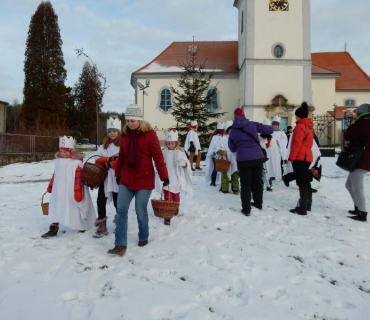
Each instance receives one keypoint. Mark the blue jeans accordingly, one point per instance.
(125, 196)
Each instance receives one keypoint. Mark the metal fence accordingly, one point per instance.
(324, 127)
(19, 143)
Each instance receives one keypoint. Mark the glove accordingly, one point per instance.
(118, 179)
(285, 161)
(101, 161)
(166, 182)
(191, 148)
(78, 195)
(314, 172)
(181, 163)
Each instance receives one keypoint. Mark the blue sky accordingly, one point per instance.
(123, 35)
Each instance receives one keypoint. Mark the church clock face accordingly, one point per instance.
(279, 5)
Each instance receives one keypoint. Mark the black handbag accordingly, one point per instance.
(349, 158)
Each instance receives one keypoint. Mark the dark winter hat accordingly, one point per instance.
(363, 108)
(239, 112)
(302, 111)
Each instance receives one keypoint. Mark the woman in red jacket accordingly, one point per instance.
(135, 175)
(301, 157)
(358, 135)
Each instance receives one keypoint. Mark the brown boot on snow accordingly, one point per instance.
(53, 231)
(118, 250)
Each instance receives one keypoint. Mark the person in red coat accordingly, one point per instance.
(301, 157)
(358, 135)
(135, 175)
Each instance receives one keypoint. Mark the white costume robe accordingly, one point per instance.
(223, 145)
(63, 207)
(110, 183)
(276, 153)
(209, 158)
(288, 167)
(192, 136)
(265, 173)
(180, 178)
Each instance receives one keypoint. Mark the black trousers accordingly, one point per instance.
(251, 182)
(214, 172)
(102, 202)
(303, 180)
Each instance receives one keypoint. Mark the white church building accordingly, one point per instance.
(269, 71)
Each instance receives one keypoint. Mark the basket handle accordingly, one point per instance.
(168, 191)
(95, 155)
(42, 198)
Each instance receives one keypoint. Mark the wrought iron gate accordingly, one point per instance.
(324, 127)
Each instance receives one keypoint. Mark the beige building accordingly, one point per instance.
(269, 71)
(3, 116)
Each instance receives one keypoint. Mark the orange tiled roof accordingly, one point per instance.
(320, 70)
(222, 57)
(352, 76)
(340, 112)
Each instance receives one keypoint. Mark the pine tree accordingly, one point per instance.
(192, 96)
(89, 93)
(44, 90)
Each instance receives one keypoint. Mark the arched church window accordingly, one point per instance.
(278, 51)
(213, 105)
(166, 101)
(242, 23)
(350, 102)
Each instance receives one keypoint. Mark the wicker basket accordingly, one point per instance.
(93, 175)
(44, 206)
(164, 209)
(222, 165)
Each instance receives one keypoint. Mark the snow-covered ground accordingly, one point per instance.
(211, 263)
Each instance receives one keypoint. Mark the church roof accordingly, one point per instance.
(352, 76)
(217, 56)
(222, 57)
(341, 112)
(320, 70)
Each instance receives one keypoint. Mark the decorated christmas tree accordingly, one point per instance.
(194, 99)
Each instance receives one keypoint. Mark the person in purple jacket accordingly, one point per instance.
(244, 140)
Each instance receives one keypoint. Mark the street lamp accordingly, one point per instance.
(142, 88)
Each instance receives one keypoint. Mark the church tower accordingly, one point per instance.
(274, 57)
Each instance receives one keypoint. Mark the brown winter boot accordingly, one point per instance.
(53, 231)
(118, 250)
(143, 243)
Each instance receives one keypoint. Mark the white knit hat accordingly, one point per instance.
(193, 123)
(220, 125)
(171, 135)
(133, 112)
(114, 124)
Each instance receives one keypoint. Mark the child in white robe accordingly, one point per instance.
(179, 171)
(192, 146)
(232, 174)
(211, 173)
(70, 203)
(108, 191)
